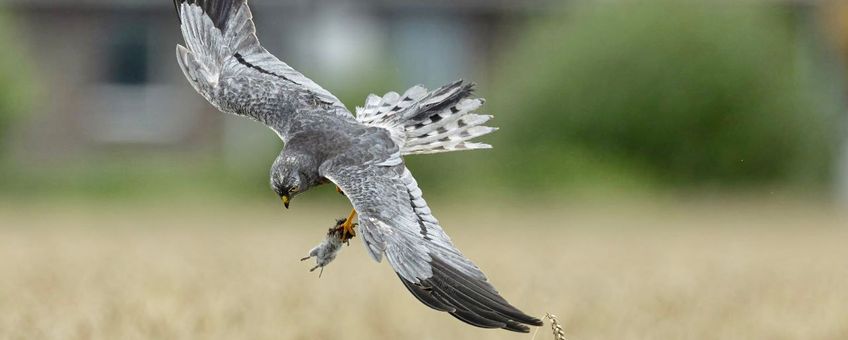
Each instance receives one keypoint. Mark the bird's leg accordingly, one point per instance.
(347, 227)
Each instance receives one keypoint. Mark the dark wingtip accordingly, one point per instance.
(470, 300)
(426, 297)
(517, 327)
(538, 323)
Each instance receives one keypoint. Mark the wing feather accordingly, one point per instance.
(396, 222)
(224, 61)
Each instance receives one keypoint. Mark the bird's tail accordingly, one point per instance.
(425, 122)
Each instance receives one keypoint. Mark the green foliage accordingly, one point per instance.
(687, 93)
(116, 178)
(14, 80)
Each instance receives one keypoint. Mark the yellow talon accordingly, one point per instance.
(348, 226)
(345, 228)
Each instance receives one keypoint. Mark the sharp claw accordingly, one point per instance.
(305, 258)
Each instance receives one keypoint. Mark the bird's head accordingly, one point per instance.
(287, 184)
(292, 175)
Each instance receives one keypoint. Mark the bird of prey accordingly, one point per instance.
(362, 155)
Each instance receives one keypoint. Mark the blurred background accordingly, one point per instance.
(669, 169)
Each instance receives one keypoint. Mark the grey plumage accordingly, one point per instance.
(225, 63)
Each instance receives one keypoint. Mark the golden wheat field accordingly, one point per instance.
(170, 270)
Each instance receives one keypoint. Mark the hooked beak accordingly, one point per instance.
(286, 200)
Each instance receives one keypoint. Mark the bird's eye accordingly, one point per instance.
(295, 189)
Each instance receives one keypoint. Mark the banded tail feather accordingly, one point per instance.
(427, 122)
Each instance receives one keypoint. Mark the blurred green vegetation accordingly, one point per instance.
(676, 94)
(598, 98)
(15, 81)
(162, 177)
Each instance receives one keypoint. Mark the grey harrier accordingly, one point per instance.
(362, 155)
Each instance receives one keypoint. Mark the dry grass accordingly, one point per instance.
(556, 327)
(678, 271)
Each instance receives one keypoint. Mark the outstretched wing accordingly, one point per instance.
(395, 220)
(225, 63)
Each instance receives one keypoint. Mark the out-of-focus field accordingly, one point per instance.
(610, 271)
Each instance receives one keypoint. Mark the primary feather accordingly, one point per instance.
(224, 61)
